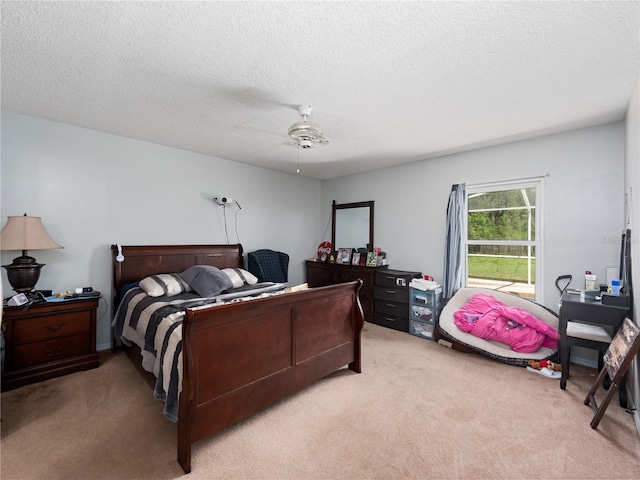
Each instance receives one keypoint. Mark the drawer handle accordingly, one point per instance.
(53, 354)
(388, 319)
(392, 292)
(53, 329)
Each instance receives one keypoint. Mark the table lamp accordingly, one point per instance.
(25, 233)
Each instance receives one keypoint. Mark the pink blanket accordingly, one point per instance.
(488, 318)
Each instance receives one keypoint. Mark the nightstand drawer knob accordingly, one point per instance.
(53, 354)
(54, 329)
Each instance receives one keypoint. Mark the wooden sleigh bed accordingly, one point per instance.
(241, 357)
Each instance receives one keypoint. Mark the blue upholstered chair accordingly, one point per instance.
(269, 265)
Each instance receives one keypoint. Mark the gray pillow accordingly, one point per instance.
(206, 280)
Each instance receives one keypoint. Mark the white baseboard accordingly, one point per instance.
(585, 362)
(586, 357)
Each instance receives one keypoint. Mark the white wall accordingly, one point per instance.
(632, 189)
(583, 206)
(92, 190)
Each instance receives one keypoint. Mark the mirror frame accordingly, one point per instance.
(342, 206)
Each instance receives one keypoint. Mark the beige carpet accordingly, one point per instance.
(418, 410)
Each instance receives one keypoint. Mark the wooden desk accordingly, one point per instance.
(593, 312)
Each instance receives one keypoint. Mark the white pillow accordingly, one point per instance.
(168, 284)
(240, 277)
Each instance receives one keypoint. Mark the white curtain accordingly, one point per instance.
(453, 255)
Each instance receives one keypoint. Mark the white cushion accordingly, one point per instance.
(168, 284)
(587, 332)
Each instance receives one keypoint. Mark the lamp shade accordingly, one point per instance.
(26, 233)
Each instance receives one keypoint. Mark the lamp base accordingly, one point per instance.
(23, 273)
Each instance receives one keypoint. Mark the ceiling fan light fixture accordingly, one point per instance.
(306, 131)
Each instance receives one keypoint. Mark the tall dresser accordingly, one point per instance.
(321, 274)
(391, 294)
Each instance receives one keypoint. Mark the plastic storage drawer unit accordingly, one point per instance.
(424, 308)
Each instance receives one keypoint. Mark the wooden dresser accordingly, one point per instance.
(320, 274)
(48, 340)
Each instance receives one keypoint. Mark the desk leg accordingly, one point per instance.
(564, 361)
(622, 392)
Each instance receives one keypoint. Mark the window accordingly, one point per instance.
(503, 237)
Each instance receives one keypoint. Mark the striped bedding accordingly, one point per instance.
(155, 325)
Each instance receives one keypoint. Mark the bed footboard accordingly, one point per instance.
(243, 357)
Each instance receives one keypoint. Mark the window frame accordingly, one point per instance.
(536, 183)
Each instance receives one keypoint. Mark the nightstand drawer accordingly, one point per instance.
(50, 350)
(35, 329)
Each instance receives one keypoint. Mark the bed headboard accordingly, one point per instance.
(140, 261)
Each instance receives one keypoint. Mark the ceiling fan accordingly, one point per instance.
(303, 135)
(306, 134)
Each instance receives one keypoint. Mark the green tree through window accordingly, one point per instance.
(502, 237)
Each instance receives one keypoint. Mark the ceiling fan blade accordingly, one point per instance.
(259, 130)
(261, 150)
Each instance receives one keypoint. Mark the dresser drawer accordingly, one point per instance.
(395, 309)
(28, 330)
(391, 321)
(400, 295)
(37, 353)
(319, 275)
(395, 278)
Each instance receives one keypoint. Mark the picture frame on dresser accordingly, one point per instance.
(372, 259)
(355, 259)
(344, 256)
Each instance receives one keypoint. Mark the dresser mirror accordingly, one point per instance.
(352, 225)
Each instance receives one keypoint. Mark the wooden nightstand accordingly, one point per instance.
(48, 340)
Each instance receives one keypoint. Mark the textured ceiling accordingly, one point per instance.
(389, 82)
